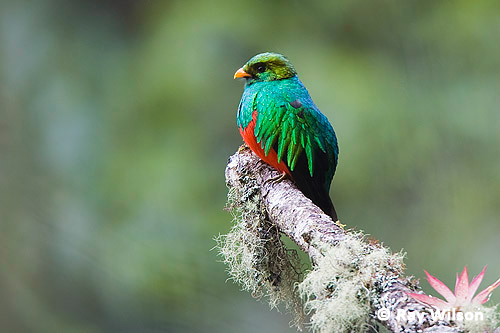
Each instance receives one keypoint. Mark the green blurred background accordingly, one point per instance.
(117, 119)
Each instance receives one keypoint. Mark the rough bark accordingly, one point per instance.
(304, 223)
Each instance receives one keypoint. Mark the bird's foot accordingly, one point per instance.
(277, 179)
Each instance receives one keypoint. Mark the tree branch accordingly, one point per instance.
(314, 232)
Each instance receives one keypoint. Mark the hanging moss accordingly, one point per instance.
(340, 288)
(256, 257)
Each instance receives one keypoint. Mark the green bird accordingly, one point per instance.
(281, 124)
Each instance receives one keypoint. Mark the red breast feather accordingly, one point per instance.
(251, 141)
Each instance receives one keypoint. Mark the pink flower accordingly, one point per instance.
(463, 295)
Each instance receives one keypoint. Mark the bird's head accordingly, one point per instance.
(266, 67)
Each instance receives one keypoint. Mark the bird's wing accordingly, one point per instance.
(294, 126)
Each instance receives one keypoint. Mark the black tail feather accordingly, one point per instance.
(315, 187)
(318, 195)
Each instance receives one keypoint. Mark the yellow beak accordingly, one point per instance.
(241, 73)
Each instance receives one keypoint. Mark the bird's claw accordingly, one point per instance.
(276, 179)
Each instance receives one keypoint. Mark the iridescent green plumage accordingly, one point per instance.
(288, 122)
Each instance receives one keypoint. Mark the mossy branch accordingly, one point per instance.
(352, 277)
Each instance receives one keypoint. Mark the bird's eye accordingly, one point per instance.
(261, 68)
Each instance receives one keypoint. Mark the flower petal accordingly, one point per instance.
(433, 301)
(475, 284)
(440, 287)
(484, 295)
(462, 288)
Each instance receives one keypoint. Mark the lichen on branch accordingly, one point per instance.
(352, 277)
(340, 288)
